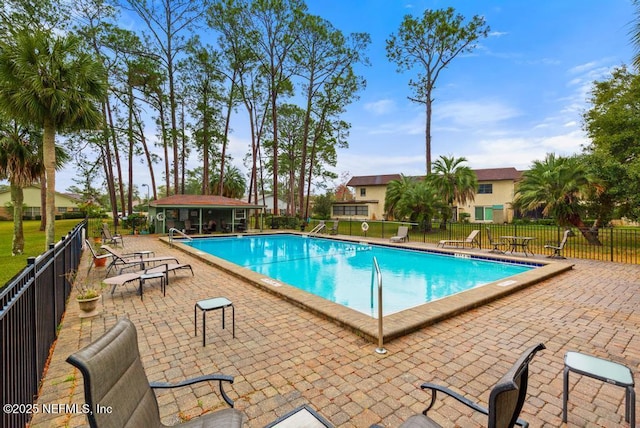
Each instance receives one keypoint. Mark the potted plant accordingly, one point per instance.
(97, 235)
(87, 295)
(100, 261)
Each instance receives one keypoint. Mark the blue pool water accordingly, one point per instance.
(340, 271)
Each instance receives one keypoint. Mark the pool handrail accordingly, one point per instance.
(179, 232)
(375, 272)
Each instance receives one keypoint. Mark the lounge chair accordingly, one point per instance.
(471, 240)
(96, 256)
(188, 227)
(505, 400)
(108, 237)
(210, 227)
(114, 379)
(133, 259)
(558, 247)
(143, 275)
(402, 235)
(496, 244)
(334, 228)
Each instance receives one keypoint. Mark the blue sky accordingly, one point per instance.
(518, 96)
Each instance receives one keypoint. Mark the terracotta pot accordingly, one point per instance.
(100, 262)
(89, 307)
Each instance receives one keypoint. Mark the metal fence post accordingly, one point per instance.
(611, 244)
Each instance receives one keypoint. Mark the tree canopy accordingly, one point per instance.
(51, 82)
(613, 125)
(431, 42)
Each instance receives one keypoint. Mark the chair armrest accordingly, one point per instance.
(435, 388)
(216, 377)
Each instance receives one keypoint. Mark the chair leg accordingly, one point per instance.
(631, 407)
(565, 394)
(204, 328)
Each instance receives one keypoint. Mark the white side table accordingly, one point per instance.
(604, 370)
(211, 305)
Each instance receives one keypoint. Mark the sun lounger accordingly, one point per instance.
(334, 228)
(160, 271)
(108, 237)
(132, 259)
(402, 235)
(94, 255)
(471, 240)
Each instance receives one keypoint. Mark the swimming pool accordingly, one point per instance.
(341, 271)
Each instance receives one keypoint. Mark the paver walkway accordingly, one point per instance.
(283, 357)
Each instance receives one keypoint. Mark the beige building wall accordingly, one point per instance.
(374, 196)
(495, 206)
(32, 202)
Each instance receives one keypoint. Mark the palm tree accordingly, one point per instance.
(395, 190)
(418, 203)
(558, 185)
(234, 183)
(21, 165)
(635, 34)
(455, 183)
(50, 82)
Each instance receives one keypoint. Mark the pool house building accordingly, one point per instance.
(201, 213)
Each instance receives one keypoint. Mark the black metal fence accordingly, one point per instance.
(615, 244)
(31, 308)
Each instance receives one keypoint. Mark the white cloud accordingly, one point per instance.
(380, 107)
(469, 114)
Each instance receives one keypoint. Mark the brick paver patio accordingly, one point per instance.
(284, 357)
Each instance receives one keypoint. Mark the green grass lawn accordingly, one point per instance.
(34, 241)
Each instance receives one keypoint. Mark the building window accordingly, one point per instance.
(485, 189)
(350, 210)
(484, 213)
(363, 191)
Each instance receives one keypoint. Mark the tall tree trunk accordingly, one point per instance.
(165, 145)
(109, 138)
(17, 198)
(303, 155)
(43, 202)
(227, 121)
(49, 156)
(147, 155)
(174, 120)
(312, 157)
(428, 135)
(274, 120)
(131, 145)
(183, 158)
(589, 234)
(206, 147)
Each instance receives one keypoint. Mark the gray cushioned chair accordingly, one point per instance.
(505, 400)
(496, 244)
(557, 247)
(114, 378)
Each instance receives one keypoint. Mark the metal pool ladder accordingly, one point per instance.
(317, 228)
(173, 231)
(375, 273)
